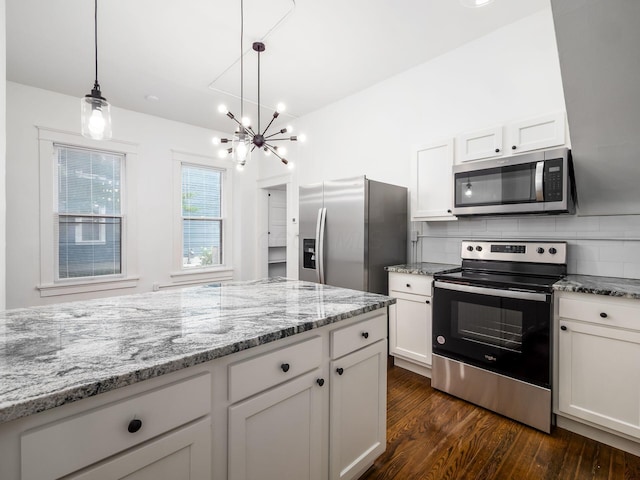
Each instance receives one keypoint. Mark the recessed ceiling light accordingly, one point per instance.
(151, 98)
(475, 3)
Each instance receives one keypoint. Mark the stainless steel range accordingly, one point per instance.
(492, 327)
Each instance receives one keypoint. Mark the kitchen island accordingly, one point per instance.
(195, 359)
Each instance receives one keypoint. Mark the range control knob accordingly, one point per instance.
(470, 248)
(479, 248)
(553, 251)
(540, 250)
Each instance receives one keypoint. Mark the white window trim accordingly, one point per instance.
(49, 284)
(224, 271)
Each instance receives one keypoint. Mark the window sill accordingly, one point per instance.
(199, 276)
(74, 287)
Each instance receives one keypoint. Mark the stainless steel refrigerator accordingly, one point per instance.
(350, 230)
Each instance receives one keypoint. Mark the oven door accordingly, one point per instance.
(504, 331)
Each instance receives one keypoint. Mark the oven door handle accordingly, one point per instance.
(494, 292)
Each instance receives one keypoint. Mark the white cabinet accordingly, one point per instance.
(358, 386)
(599, 361)
(278, 434)
(432, 186)
(536, 133)
(480, 144)
(103, 432)
(184, 454)
(410, 322)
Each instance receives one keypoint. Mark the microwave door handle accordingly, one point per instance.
(539, 181)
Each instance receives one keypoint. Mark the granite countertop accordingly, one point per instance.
(62, 353)
(421, 268)
(611, 286)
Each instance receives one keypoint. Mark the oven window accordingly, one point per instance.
(498, 327)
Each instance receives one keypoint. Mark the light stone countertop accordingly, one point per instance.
(57, 354)
(610, 286)
(421, 268)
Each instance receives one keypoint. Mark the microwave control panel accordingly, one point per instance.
(553, 180)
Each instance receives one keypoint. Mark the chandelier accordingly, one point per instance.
(246, 139)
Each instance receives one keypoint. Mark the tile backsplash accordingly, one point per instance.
(599, 245)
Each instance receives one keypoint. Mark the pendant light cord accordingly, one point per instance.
(241, 60)
(95, 40)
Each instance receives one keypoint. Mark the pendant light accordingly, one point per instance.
(95, 110)
(245, 139)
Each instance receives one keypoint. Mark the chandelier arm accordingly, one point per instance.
(272, 150)
(281, 139)
(269, 125)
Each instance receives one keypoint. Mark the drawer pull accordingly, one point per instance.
(340, 370)
(408, 285)
(603, 315)
(563, 327)
(320, 381)
(365, 334)
(285, 367)
(427, 302)
(134, 425)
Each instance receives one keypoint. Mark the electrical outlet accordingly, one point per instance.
(414, 235)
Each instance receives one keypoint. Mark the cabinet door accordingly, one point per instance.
(358, 414)
(278, 434)
(541, 132)
(598, 375)
(481, 144)
(410, 327)
(432, 192)
(182, 455)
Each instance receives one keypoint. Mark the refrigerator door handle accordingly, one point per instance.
(322, 217)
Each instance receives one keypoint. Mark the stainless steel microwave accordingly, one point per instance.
(537, 182)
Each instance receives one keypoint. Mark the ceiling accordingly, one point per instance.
(186, 53)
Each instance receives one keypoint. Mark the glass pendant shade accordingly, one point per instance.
(241, 146)
(96, 117)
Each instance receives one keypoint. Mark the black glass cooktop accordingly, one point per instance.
(500, 279)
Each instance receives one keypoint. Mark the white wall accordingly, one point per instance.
(510, 74)
(29, 107)
(3, 123)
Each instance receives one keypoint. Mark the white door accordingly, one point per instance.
(182, 455)
(598, 375)
(277, 435)
(358, 414)
(410, 327)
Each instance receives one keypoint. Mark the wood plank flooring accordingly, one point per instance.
(434, 436)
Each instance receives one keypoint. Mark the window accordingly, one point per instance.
(89, 213)
(87, 206)
(202, 221)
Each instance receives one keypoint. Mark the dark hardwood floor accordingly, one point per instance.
(432, 435)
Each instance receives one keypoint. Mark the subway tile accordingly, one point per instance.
(537, 225)
(617, 252)
(625, 225)
(631, 270)
(577, 224)
(604, 269)
(502, 224)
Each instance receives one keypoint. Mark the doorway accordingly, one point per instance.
(277, 231)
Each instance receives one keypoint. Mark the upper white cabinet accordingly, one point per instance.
(431, 193)
(545, 131)
(536, 133)
(480, 144)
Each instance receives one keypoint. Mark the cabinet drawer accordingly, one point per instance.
(409, 283)
(95, 435)
(358, 335)
(251, 376)
(615, 313)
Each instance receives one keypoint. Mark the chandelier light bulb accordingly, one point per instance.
(282, 151)
(267, 152)
(289, 129)
(246, 122)
(96, 124)
(215, 140)
(223, 109)
(240, 167)
(291, 165)
(302, 137)
(281, 107)
(222, 153)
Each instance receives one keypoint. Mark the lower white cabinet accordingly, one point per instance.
(181, 455)
(599, 361)
(358, 410)
(410, 321)
(278, 434)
